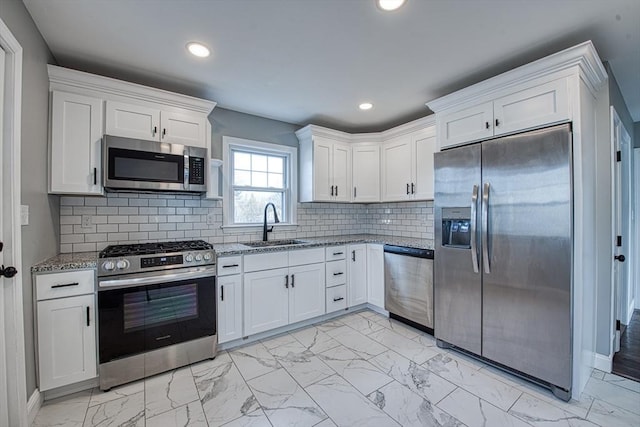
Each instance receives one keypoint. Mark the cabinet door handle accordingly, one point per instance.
(486, 125)
(231, 265)
(95, 176)
(154, 131)
(221, 292)
(338, 273)
(164, 132)
(293, 279)
(338, 299)
(286, 281)
(336, 191)
(413, 191)
(497, 122)
(407, 188)
(332, 190)
(353, 256)
(354, 192)
(66, 285)
(88, 319)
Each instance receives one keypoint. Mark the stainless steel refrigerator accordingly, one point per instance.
(503, 256)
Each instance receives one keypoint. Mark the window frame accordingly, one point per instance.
(231, 144)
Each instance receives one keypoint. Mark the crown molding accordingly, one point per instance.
(581, 59)
(63, 78)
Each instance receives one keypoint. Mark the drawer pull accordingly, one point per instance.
(338, 274)
(231, 265)
(66, 285)
(338, 299)
(338, 253)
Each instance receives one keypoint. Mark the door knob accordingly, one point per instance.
(8, 272)
(620, 258)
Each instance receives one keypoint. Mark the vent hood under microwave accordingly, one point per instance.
(140, 166)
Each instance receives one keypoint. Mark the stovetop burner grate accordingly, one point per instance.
(154, 248)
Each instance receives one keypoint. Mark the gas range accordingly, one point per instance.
(145, 257)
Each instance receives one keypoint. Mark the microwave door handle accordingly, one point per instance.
(186, 169)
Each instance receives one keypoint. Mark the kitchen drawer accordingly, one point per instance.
(335, 252)
(229, 265)
(266, 261)
(336, 298)
(305, 256)
(336, 273)
(59, 285)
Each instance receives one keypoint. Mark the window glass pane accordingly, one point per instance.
(242, 178)
(249, 206)
(275, 164)
(241, 160)
(275, 180)
(258, 163)
(258, 179)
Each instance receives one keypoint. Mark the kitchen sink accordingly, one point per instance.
(262, 244)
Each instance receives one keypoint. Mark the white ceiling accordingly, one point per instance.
(314, 61)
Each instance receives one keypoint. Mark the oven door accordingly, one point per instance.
(148, 165)
(139, 314)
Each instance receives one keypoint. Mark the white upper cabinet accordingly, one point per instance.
(325, 169)
(137, 121)
(76, 134)
(85, 106)
(530, 106)
(407, 166)
(366, 173)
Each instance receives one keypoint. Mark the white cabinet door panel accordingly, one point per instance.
(132, 121)
(76, 135)
(336, 298)
(366, 173)
(229, 298)
(375, 275)
(66, 341)
(425, 147)
(266, 300)
(341, 172)
(533, 107)
(306, 292)
(336, 273)
(322, 179)
(357, 283)
(396, 170)
(183, 129)
(467, 125)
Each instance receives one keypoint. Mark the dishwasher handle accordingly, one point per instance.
(408, 251)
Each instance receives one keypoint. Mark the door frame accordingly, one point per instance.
(12, 292)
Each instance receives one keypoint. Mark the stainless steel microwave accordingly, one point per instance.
(139, 165)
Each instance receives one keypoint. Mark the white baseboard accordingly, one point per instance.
(603, 363)
(33, 405)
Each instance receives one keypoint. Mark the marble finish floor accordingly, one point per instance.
(360, 369)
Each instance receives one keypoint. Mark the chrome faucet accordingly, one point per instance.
(265, 230)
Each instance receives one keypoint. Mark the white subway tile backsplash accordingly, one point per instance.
(133, 218)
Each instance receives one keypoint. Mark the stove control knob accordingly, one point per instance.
(208, 256)
(188, 258)
(199, 257)
(108, 265)
(122, 264)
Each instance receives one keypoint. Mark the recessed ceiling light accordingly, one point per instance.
(389, 5)
(366, 106)
(198, 49)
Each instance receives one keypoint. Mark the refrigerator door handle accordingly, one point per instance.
(485, 227)
(474, 248)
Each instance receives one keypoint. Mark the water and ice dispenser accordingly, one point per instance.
(456, 227)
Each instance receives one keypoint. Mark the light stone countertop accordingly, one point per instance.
(87, 260)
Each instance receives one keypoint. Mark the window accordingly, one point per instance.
(258, 173)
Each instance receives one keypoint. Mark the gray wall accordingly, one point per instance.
(636, 132)
(40, 237)
(241, 125)
(617, 101)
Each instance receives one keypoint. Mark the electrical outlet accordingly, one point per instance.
(86, 221)
(24, 214)
(211, 218)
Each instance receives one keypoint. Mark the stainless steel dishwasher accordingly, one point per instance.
(408, 285)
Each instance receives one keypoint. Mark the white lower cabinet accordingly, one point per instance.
(375, 275)
(306, 292)
(357, 282)
(66, 341)
(229, 308)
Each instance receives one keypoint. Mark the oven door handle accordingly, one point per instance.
(156, 279)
